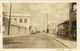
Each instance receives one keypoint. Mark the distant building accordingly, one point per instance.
(52, 29)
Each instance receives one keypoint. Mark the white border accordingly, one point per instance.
(39, 1)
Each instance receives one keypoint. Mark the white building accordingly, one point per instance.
(19, 25)
(21, 20)
(52, 28)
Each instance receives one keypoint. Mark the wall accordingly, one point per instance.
(21, 17)
(16, 31)
(73, 18)
(52, 29)
(61, 30)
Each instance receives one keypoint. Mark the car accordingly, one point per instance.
(33, 32)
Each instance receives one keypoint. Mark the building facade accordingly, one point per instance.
(63, 28)
(69, 28)
(19, 25)
(22, 20)
(52, 29)
(73, 21)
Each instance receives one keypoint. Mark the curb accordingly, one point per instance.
(60, 42)
(15, 36)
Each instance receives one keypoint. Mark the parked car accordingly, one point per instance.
(33, 32)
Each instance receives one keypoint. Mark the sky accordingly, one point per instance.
(57, 12)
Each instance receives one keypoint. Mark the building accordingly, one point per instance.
(68, 28)
(52, 29)
(21, 19)
(63, 28)
(73, 21)
(19, 25)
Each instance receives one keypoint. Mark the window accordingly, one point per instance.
(74, 7)
(15, 19)
(25, 20)
(61, 27)
(21, 20)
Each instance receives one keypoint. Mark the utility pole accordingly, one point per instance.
(9, 19)
(70, 7)
(47, 19)
(47, 24)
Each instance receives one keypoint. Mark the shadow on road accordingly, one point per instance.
(8, 40)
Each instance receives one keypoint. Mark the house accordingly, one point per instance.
(68, 28)
(63, 28)
(52, 28)
(21, 19)
(19, 25)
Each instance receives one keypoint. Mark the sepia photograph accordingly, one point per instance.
(40, 25)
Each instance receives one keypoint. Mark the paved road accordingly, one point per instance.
(40, 40)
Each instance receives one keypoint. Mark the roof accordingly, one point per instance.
(18, 15)
(66, 22)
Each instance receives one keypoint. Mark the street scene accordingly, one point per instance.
(40, 25)
(33, 41)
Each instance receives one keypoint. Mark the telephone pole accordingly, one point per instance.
(47, 23)
(70, 7)
(9, 19)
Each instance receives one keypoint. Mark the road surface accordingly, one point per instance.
(39, 40)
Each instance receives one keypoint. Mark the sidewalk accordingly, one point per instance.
(15, 35)
(64, 40)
